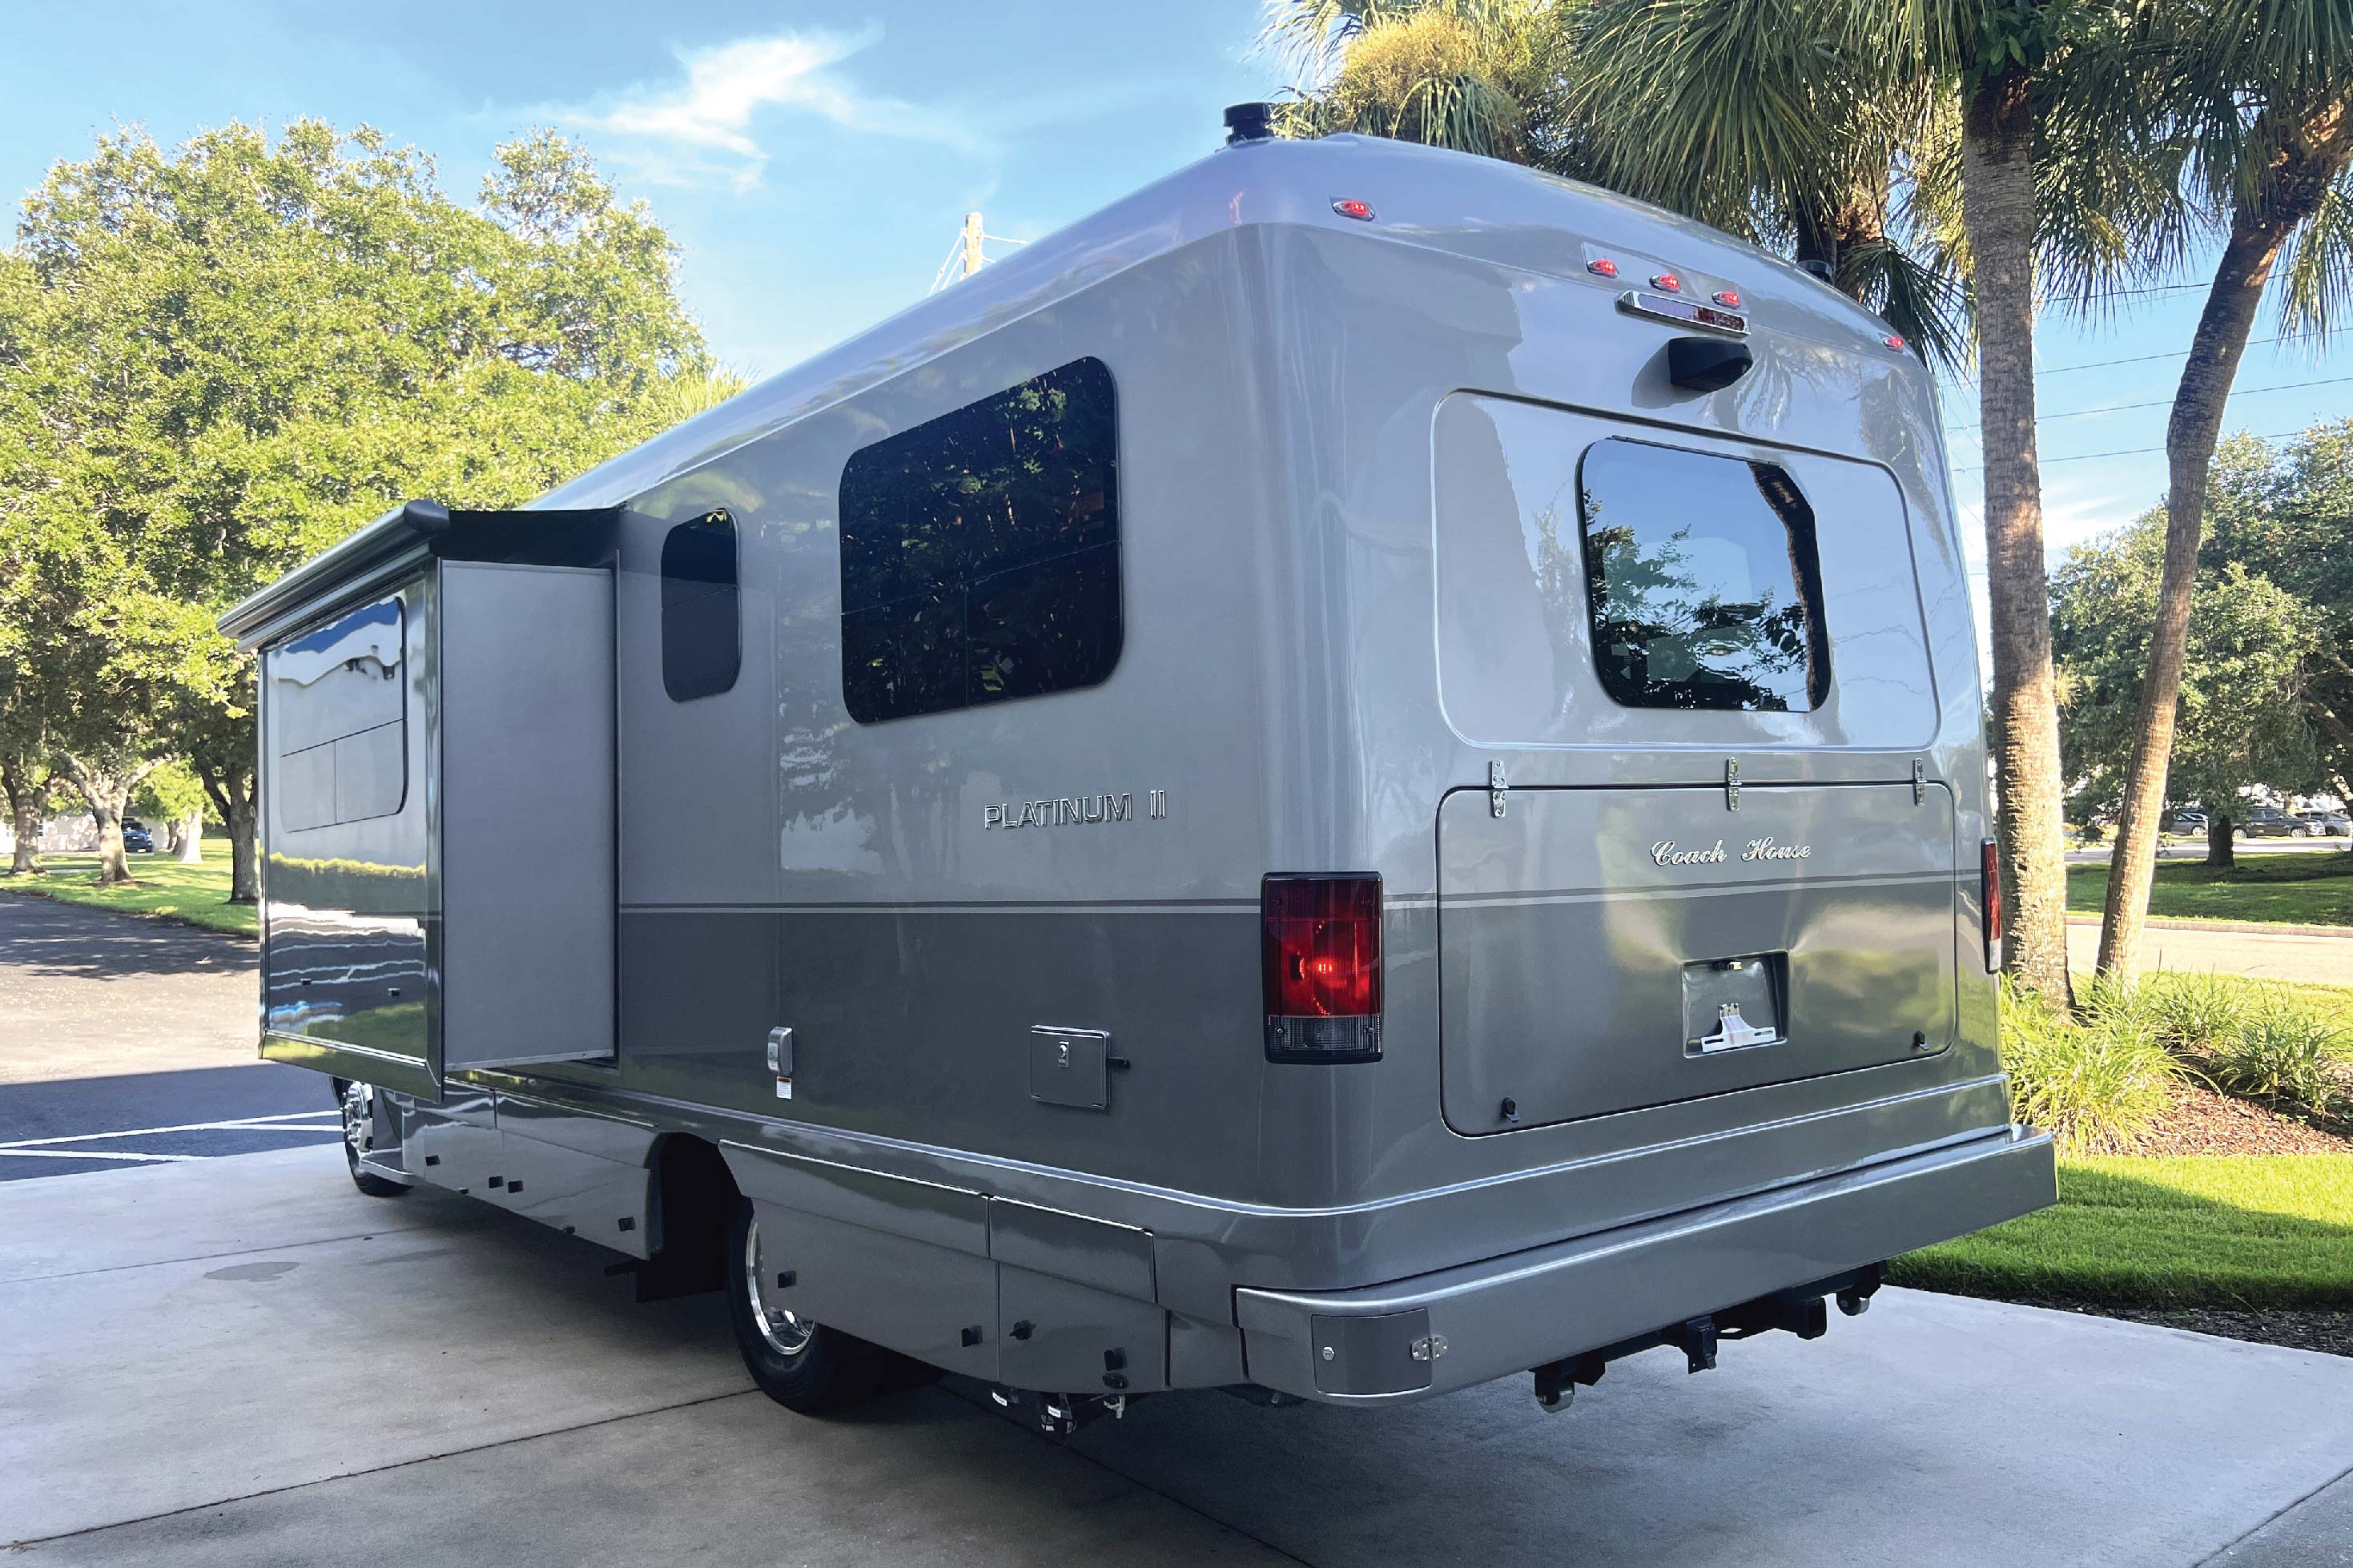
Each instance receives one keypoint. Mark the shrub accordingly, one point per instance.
(2197, 1014)
(2282, 1051)
(2098, 1085)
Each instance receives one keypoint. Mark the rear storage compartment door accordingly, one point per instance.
(1603, 949)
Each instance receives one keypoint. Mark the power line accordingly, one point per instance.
(2145, 359)
(2128, 452)
(2167, 402)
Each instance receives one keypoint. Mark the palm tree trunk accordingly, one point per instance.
(2296, 181)
(1998, 206)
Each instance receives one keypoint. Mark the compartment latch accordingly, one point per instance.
(1499, 788)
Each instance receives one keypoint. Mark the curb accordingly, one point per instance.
(2251, 928)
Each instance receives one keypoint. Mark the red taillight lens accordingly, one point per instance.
(1989, 899)
(1320, 967)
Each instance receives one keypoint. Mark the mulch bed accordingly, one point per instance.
(2204, 1120)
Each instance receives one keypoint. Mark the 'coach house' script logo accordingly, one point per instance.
(1666, 853)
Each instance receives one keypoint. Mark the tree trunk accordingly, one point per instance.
(2219, 851)
(188, 834)
(2294, 183)
(1997, 205)
(108, 795)
(24, 820)
(231, 785)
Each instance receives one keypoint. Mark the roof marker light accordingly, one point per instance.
(1602, 267)
(1668, 281)
(1728, 297)
(1894, 340)
(1349, 207)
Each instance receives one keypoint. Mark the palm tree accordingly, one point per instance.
(1476, 76)
(1807, 114)
(2260, 92)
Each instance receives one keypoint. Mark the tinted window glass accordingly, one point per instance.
(702, 645)
(980, 551)
(1702, 580)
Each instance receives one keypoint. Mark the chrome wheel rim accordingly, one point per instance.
(786, 1333)
(358, 1105)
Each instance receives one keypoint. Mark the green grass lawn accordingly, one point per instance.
(2313, 887)
(197, 893)
(2238, 1231)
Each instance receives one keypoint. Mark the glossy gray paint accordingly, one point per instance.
(1329, 435)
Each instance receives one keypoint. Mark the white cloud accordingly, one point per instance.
(708, 124)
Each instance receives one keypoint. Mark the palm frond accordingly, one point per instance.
(2318, 268)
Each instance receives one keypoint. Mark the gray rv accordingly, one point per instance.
(1360, 773)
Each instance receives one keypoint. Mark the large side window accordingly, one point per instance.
(980, 551)
(1702, 581)
(702, 637)
(339, 720)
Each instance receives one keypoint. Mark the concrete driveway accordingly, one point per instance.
(242, 1360)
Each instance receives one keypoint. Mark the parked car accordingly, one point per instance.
(2325, 824)
(2268, 822)
(136, 838)
(2187, 822)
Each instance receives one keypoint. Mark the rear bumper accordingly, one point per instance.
(1506, 1315)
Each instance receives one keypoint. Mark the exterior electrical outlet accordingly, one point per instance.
(1361, 773)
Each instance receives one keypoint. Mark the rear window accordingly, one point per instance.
(1702, 581)
(980, 551)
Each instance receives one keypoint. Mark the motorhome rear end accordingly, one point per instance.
(1279, 791)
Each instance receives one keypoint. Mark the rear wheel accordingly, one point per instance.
(800, 1365)
(357, 1102)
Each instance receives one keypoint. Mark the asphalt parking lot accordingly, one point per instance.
(243, 1360)
(129, 1041)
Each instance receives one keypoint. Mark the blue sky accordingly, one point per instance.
(814, 161)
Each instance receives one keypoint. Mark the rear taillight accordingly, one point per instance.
(1320, 964)
(1989, 901)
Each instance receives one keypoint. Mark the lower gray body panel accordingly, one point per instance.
(1512, 1313)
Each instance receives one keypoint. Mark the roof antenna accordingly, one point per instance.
(1248, 122)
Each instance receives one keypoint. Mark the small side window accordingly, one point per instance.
(1702, 581)
(703, 645)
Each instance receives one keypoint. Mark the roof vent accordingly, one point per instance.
(1812, 268)
(1248, 122)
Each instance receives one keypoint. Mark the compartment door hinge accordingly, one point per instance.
(1499, 788)
(1732, 783)
(1919, 780)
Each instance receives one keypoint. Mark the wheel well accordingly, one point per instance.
(693, 1199)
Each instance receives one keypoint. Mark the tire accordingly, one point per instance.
(357, 1102)
(802, 1365)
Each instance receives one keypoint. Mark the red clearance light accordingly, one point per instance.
(1989, 901)
(1894, 340)
(1320, 967)
(1602, 267)
(1728, 297)
(1668, 281)
(1349, 207)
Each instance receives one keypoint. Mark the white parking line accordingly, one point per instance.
(94, 1154)
(247, 1124)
